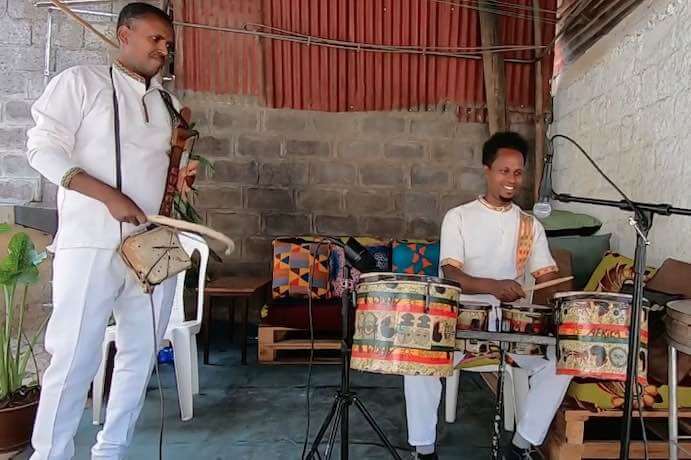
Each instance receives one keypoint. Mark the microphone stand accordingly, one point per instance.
(642, 223)
(338, 416)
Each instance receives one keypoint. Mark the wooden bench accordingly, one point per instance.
(565, 440)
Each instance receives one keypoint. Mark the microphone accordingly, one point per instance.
(356, 254)
(542, 208)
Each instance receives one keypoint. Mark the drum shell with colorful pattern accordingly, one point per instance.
(473, 316)
(405, 325)
(527, 319)
(593, 334)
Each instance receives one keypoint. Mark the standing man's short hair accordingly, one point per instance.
(138, 10)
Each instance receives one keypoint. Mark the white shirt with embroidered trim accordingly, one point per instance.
(74, 128)
(482, 241)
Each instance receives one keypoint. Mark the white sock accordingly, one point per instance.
(520, 442)
(425, 450)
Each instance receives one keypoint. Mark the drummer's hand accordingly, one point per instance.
(508, 290)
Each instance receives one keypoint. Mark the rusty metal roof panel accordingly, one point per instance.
(312, 77)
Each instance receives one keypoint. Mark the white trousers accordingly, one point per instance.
(547, 389)
(89, 285)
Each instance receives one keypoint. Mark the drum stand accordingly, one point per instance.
(345, 397)
(499, 404)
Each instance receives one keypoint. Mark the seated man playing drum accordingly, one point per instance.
(486, 246)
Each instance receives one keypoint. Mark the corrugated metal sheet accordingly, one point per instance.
(218, 62)
(294, 75)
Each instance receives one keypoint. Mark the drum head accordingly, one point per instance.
(473, 305)
(682, 306)
(388, 276)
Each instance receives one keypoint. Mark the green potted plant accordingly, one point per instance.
(19, 386)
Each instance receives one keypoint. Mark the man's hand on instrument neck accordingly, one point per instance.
(121, 207)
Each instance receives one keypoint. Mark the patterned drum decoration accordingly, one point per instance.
(593, 335)
(527, 319)
(405, 324)
(473, 316)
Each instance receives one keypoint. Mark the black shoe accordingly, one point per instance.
(418, 456)
(516, 453)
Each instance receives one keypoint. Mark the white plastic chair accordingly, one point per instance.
(181, 334)
(516, 384)
(514, 391)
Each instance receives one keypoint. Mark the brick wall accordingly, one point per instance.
(628, 102)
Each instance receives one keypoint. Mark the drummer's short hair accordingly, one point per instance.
(136, 10)
(503, 140)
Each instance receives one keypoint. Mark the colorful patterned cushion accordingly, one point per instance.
(416, 258)
(612, 272)
(294, 262)
(603, 395)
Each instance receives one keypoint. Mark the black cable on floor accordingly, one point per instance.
(158, 378)
(311, 359)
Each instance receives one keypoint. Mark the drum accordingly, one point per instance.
(678, 322)
(527, 319)
(593, 335)
(405, 324)
(473, 316)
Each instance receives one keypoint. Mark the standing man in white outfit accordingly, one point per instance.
(487, 246)
(73, 145)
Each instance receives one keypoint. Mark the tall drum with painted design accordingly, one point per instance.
(593, 335)
(405, 324)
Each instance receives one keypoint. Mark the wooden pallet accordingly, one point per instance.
(566, 437)
(282, 345)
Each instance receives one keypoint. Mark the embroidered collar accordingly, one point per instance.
(488, 205)
(128, 72)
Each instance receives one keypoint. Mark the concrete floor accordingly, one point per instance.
(257, 412)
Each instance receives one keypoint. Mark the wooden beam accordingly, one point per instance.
(494, 71)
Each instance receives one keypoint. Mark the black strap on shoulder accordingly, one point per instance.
(116, 130)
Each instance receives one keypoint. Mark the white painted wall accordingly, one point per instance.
(627, 101)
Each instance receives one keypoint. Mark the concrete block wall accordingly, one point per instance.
(23, 29)
(284, 172)
(277, 172)
(628, 102)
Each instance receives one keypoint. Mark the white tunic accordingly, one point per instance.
(497, 243)
(484, 242)
(74, 128)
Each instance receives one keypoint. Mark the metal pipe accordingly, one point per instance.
(87, 12)
(66, 9)
(672, 414)
(72, 2)
(48, 49)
